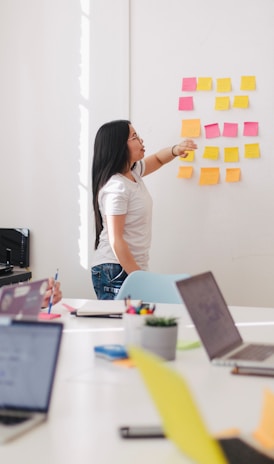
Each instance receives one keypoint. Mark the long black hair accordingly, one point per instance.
(111, 156)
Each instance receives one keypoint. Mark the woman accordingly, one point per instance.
(122, 204)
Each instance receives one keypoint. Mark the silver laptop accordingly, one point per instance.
(28, 357)
(22, 300)
(215, 325)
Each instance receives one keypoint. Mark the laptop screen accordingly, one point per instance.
(22, 300)
(28, 357)
(209, 313)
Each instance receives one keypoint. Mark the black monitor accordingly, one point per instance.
(14, 246)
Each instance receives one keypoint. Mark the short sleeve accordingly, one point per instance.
(113, 197)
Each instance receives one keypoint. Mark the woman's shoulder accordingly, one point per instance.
(115, 183)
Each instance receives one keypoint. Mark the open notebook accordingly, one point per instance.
(182, 421)
(28, 358)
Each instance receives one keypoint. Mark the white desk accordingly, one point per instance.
(92, 398)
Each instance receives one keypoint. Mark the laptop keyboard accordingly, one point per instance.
(254, 352)
(239, 452)
(12, 420)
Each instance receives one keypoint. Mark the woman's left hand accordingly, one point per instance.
(183, 148)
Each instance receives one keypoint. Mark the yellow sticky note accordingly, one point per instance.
(185, 172)
(231, 154)
(191, 128)
(248, 83)
(211, 153)
(265, 431)
(204, 83)
(241, 101)
(222, 103)
(224, 84)
(189, 157)
(233, 175)
(181, 418)
(252, 150)
(209, 176)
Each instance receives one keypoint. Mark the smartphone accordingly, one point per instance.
(142, 431)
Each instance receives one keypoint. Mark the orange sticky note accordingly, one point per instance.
(185, 172)
(211, 153)
(252, 150)
(191, 128)
(231, 154)
(265, 431)
(233, 175)
(241, 101)
(248, 83)
(204, 83)
(224, 84)
(209, 176)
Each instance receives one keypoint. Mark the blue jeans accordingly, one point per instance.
(107, 280)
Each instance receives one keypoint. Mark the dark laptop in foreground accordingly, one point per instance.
(28, 358)
(216, 328)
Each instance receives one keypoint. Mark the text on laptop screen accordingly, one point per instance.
(210, 313)
(28, 353)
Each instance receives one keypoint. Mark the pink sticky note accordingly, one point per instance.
(186, 103)
(251, 128)
(189, 84)
(212, 130)
(230, 129)
(48, 317)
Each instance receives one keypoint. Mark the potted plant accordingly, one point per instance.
(159, 335)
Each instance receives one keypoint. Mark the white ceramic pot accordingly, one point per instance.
(161, 341)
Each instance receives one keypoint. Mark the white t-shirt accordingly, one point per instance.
(118, 196)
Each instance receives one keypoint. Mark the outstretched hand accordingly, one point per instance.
(183, 148)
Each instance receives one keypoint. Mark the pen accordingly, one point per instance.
(52, 291)
(257, 371)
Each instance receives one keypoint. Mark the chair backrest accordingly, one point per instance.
(151, 287)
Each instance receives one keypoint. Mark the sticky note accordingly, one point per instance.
(204, 83)
(222, 103)
(231, 154)
(224, 84)
(185, 172)
(252, 150)
(209, 176)
(230, 129)
(189, 157)
(185, 103)
(211, 153)
(241, 101)
(212, 130)
(233, 175)
(189, 84)
(265, 431)
(248, 83)
(181, 419)
(251, 128)
(191, 128)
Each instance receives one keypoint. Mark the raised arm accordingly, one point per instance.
(164, 156)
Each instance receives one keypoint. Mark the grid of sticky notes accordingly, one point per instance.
(229, 98)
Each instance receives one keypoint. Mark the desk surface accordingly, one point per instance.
(92, 397)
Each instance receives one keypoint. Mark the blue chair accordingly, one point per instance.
(151, 287)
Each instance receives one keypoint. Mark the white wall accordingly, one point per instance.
(228, 228)
(65, 70)
(52, 102)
